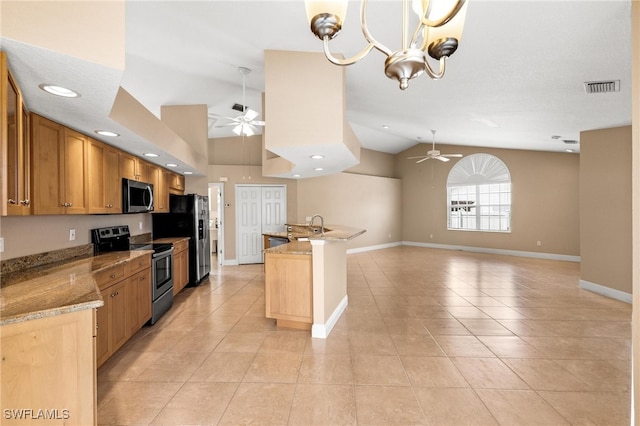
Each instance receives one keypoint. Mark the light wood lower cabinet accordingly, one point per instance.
(48, 370)
(289, 289)
(180, 265)
(126, 291)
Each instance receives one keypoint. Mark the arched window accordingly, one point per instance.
(479, 194)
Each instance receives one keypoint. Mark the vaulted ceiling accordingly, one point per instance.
(516, 81)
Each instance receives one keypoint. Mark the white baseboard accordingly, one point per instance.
(609, 292)
(376, 247)
(321, 331)
(537, 255)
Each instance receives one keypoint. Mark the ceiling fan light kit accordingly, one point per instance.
(245, 124)
(438, 34)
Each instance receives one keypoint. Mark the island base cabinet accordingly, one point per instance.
(48, 370)
(289, 290)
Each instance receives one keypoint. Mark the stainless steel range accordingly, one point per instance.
(116, 238)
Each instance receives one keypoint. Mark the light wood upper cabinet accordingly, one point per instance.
(132, 167)
(176, 183)
(59, 164)
(160, 181)
(14, 144)
(47, 139)
(105, 188)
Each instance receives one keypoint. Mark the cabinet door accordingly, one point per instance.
(159, 179)
(127, 166)
(117, 316)
(138, 301)
(96, 173)
(178, 271)
(47, 143)
(102, 322)
(143, 289)
(75, 172)
(14, 144)
(288, 287)
(112, 180)
(176, 183)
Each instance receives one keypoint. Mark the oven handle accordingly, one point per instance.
(165, 253)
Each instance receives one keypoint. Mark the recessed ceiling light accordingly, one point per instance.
(317, 156)
(171, 165)
(385, 126)
(59, 91)
(568, 150)
(556, 137)
(107, 133)
(296, 175)
(150, 154)
(318, 169)
(188, 173)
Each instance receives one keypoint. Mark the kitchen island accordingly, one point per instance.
(306, 279)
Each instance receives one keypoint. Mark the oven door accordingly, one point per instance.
(162, 272)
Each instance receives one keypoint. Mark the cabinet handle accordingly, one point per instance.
(143, 278)
(25, 202)
(113, 275)
(70, 204)
(10, 201)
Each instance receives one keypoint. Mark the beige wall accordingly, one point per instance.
(605, 207)
(545, 203)
(26, 235)
(635, 120)
(46, 24)
(375, 163)
(370, 202)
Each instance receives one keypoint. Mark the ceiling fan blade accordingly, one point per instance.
(452, 155)
(250, 114)
(441, 158)
(257, 123)
(419, 156)
(424, 159)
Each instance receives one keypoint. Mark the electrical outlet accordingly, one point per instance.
(72, 234)
(1, 244)
(539, 243)
(430, 235)
(140, 226)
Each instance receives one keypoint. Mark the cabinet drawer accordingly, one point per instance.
(110, 276)
(138, 264)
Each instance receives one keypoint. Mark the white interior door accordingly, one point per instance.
(259, 209)
(249, 209)
(274, 208)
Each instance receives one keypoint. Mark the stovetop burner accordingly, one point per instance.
(116, 238)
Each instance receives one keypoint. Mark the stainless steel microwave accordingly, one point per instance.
(137, 197)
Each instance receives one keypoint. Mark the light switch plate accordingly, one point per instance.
(72, 234)
(1, 244)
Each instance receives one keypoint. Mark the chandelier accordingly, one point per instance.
(438, 33)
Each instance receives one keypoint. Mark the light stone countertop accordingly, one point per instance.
(57, 288)
(332, 233)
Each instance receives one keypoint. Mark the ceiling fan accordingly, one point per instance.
(434, 154)
(244, 124)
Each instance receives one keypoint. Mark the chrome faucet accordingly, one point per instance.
(321, 222)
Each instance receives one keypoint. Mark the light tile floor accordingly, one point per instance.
(429, 337)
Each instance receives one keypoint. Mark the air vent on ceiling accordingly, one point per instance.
(606, 86)
(239, 107)
(570, 141)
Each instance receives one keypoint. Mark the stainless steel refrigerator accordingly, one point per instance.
(188, 217)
